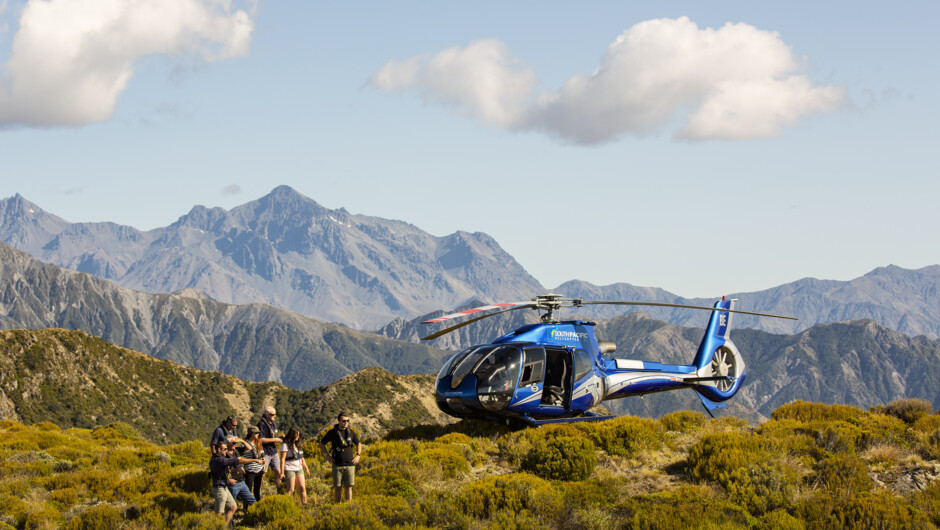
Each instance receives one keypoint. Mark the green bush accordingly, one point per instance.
(716, 456)
(44, 518)
(781, 520)
(200, 521)
(191, 480)
(928, 502)
(683, 508)
(763, 487)
(440, 509)
(100, 517)
(843, 475)
(401, 487)
(808, 412)
(179, 503)
(909, 410)
(628, 435)
(515, 492)
(451, 461)
(862, 511)
(65, 497)
(455, 438)
(565, 458)
(271, 508)
(683, 421)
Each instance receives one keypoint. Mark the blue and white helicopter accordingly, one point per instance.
(555, 371)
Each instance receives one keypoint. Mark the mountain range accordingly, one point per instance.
(286, 250)
(858, 362)
(256, 342)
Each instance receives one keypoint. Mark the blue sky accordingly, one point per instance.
(704, 148)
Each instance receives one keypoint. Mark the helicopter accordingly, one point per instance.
(555, 371)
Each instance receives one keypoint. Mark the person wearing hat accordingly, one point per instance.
(254, 471)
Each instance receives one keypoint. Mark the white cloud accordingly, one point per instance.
(735, 82)
(481, 78)
(232, 189)
(71, 59)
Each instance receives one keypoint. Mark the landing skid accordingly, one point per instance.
(588, 416)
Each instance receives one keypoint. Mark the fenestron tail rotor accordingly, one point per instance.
(551, 302)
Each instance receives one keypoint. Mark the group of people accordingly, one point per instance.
(237, 465)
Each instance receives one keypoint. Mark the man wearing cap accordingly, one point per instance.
(343, 456)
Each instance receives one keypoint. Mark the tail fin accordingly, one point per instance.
(717, 356)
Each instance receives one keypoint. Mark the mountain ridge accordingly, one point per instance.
(283, 249)
(253, 341)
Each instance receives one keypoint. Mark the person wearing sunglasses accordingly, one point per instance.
(343, 455)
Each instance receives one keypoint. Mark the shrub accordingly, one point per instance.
(909, 410)
(716, 456)
(44, 518)
(449, 459)
(116, 432)
(685, 507)
(401, 487)
(190, 480)
(353, 515)
(683, 421)
(928, 502)
(781, 520)
(455, 438)
(270, 509)
(763, 486)
(441, 510)
(200, 521)
(515, 492)
(193, 452)
(807, 412)
(628, 435)
(565, 458)
(843, 475)
(65, 497)
(179, 503)
(863, 510)
(514, 446)
(46, 426)
(100, 517)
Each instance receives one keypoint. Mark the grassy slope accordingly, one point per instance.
(74, 379)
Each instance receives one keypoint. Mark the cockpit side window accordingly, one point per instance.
(582, 364)
(463, 366)
(533, 371)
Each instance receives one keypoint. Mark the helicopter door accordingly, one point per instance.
(557, 389)
(533, 369)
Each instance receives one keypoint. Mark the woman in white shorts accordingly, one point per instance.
(293, 465)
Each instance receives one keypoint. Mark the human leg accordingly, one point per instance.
(241, 491)
(302, 486)
(253, 481)
(289, 481)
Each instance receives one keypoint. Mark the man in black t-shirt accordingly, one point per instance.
(343, 455)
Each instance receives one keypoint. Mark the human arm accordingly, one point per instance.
(358, 452)
(326, 454)
(282, 455)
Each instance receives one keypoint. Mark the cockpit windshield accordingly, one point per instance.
(497, 375)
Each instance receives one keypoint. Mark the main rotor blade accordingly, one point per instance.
(445, 331)
(475, 310)
(706, 308)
